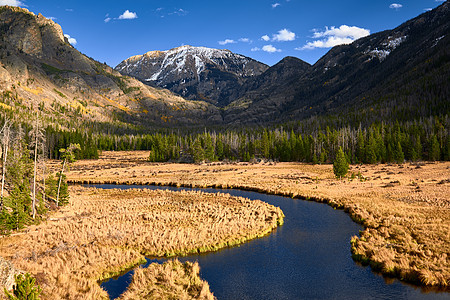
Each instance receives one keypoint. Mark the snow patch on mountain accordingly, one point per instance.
(436, 41)
(184, 59)
(386, 48)
(194, 72)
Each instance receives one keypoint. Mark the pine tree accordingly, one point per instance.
(63, 190)
(322, 157)
(197, 151)
(25, 288)
(219, 148)
(399, 157)
(416, 150)
(371, 156)
(209, 149)
(68, 156)
(435, 151)
(360, 148)
(340, 165)
(19, 170)
(51, 187)
(265, 144)
(447, 149)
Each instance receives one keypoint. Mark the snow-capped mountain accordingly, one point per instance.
(194, 72)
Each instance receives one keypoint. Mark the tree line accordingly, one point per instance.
(426, 139)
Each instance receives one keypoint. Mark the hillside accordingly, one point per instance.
(398, 74)
(39, 68)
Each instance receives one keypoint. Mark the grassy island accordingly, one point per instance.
(104, 232)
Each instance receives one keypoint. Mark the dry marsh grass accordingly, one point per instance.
(171, 280)
(405, 208)
(103, 232)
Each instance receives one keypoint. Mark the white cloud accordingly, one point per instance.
(395, 6)
(270, 49)
(227, 41)
(72, 40)
(265, 38)
(427, 9)
(69, 9)
(255, 49)
(275, 5)
(107, 20)
(245, 40)
(335, 36)
(128, 15)
(284, 35)
(343, 31)
(179, 12)
(11, 3)
(328, 43)
(51, 18)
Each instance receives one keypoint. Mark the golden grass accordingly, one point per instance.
(171, 280)
(103, 232)
(404, 208)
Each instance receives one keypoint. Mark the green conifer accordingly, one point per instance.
(399, 157)
(25, 288)
(340, 165)
(435, 151)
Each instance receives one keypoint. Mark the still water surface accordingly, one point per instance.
(306, 258)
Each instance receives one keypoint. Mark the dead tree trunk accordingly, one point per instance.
(35, 167)
(59, 183)
(6, 133)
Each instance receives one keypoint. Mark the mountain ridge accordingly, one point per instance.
(349, 77)
(197, 73)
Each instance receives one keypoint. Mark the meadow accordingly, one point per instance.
(405, 208)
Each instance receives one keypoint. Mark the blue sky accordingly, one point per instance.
(110, 31)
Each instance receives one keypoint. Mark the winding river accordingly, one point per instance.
(306, 258)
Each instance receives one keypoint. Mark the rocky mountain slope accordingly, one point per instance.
(198, 73)
(39, 68)
(274, 85)
(395, 74)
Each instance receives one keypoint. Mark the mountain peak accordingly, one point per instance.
(198, 73)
